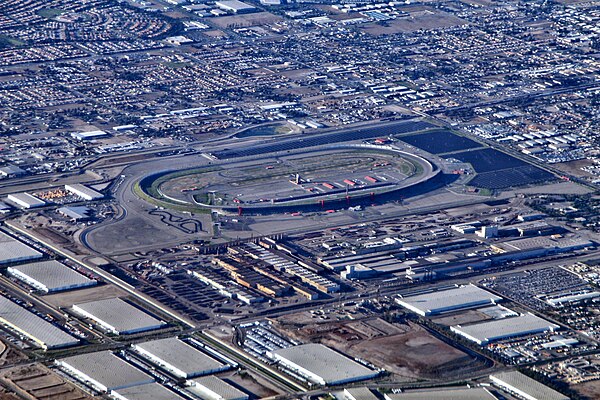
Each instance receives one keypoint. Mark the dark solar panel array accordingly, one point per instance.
(439, 142)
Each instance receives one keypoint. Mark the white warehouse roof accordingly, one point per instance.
(50, 276)
(179, 358)
(447, 300)
(153, 391)
(11, 250)
(118, 316)
(25, 200)
(213, 388)
(104, 370)
(485, 332)
(445, 394)
(525, 387)
(322, 365)
(83, 191)
(35, 328)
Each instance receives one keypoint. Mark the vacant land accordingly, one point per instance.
(37, 381)
(407, 351)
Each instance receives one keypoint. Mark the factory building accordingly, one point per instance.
(179, 358)
(117, 316)
(83, 191)
(441, 301)
(321, 365)
(524, 387)
(88, 135)
(213, 388)
(148, 391)
(11, 250)
(485, 332)
(25, 200)
(443, 394)
(361, 393)
(234, 6)
(104, 371)
(50, 276)
(35, 328)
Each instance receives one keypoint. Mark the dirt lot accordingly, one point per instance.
(589, 389)
(405, 350)
(67, 299)
(251, 383)
(41, 383)
(246, 20)
(422, 19)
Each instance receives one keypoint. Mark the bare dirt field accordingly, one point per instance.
(246, 20)
(37, 381)
(425, 19)
(67, 299)
(589, 389)
(251, 383)
(407, 351)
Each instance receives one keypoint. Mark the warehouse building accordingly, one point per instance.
(213, 388)
(441, 301)
(321, 365)
(50, 276)
(117, 316)
(148, 391)
(485, 332)
(443, 394)
(11, 250)
(25, 200)
(104, 371)
(179, 358)
(83, 191)
(360, 393)
(234, 6)
(88, 135)
(35, 328)
(524, 387)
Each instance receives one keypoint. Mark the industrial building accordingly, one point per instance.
(443, 394)
(360, 393)
(50, 276)
(153, 391)
(25, 200)
(11, 250)
(104, 371)
(38, 330)
(179, 358)
(524, 387)
(486, 332)
(117, 316)
(234, 6)
(448, 300)
(542, 245)
(213, 388)
(83, 191)
(88, 135)
(321, 365)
